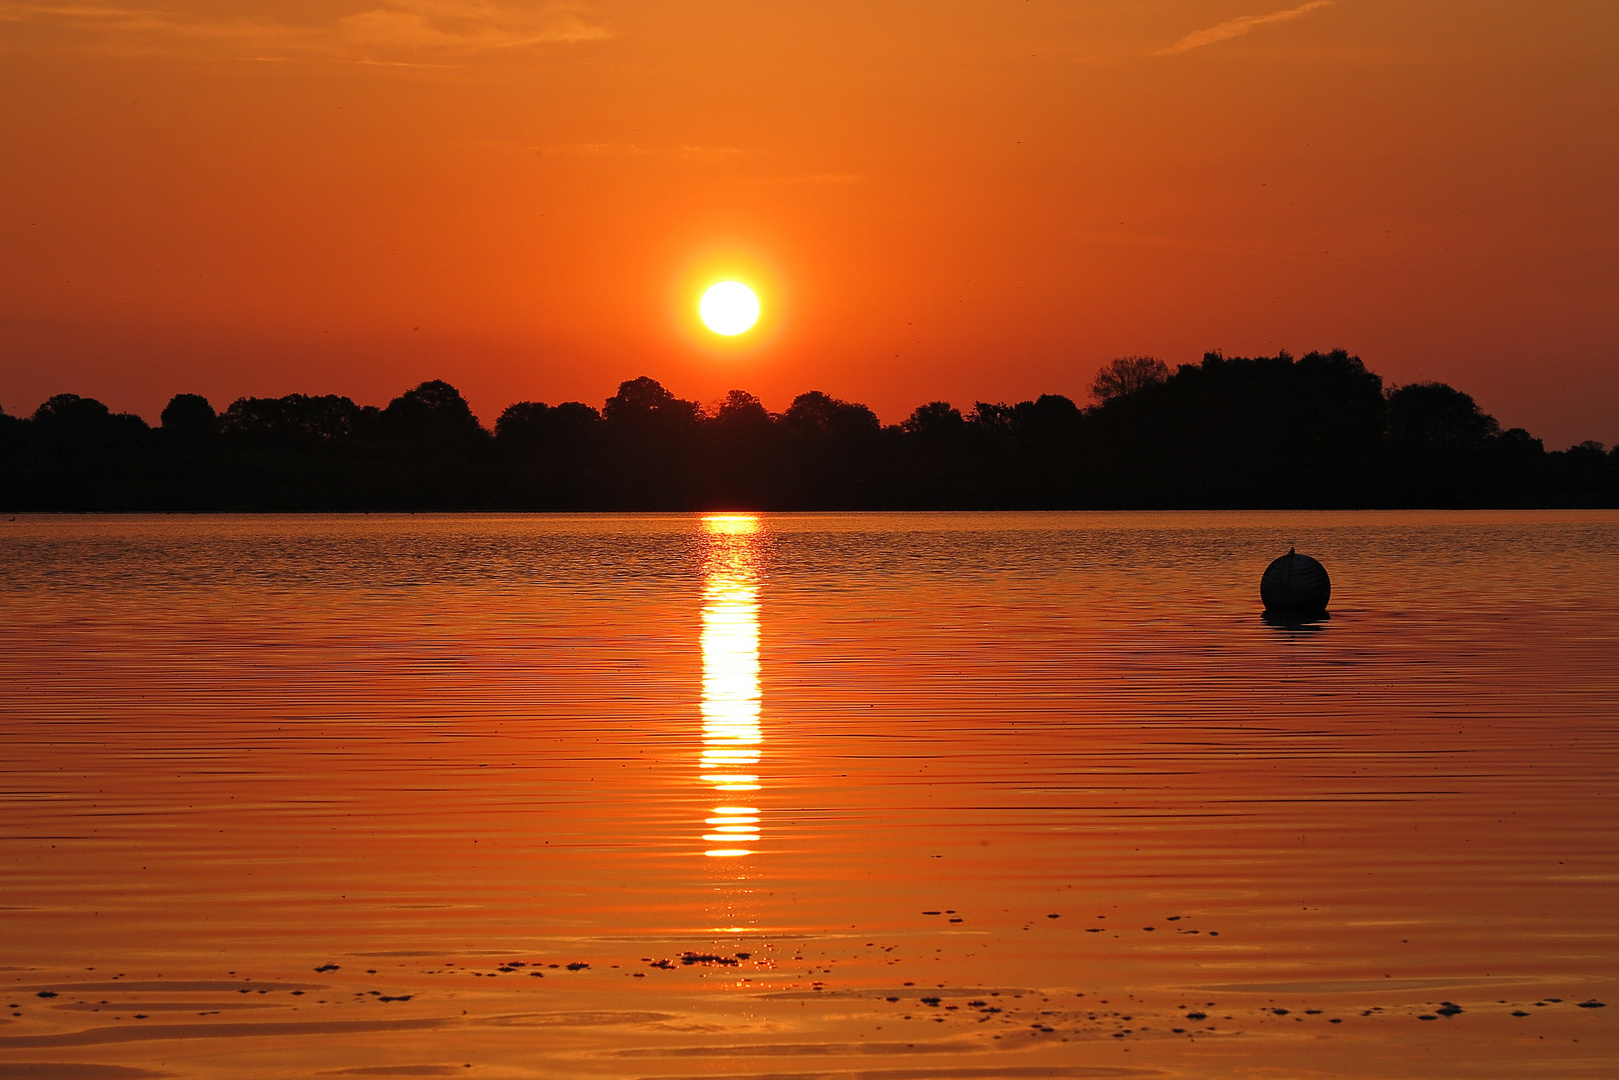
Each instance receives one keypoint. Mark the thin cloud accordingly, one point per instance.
(593, 149)
(709, 153)
(1238, 27)
(389, 34)
(814, 178)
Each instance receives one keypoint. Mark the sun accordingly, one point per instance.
(729, 308)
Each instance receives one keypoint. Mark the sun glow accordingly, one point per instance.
(730, 644)
(729, 308)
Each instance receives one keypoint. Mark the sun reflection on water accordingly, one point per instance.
(731, 736)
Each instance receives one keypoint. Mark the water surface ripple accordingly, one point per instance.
(782, 796)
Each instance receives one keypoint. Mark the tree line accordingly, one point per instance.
(1318, 431)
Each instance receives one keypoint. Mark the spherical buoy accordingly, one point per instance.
(1295, 584)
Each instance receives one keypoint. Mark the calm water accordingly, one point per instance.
(865, 797)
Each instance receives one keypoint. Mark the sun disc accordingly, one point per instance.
(729, 308)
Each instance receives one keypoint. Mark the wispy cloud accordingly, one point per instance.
(593, 149)
(709, 153)
(836, 179)
(398, 31)
(1238, 27)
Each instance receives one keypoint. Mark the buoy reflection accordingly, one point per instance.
(731, 737)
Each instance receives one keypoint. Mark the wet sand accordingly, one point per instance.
(1019, 796)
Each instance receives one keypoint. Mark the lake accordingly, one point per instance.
(841, 796)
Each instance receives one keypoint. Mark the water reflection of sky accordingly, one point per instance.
(731, 736)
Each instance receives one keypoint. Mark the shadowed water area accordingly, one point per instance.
(856, 797)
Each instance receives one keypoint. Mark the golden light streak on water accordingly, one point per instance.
(731, 704)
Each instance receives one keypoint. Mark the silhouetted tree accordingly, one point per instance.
(572, 416)
(1050, 414)
(434, 414)
(741, 409)
(1026, 455)
(651, 438)
(192, 474)
(938, 467)
(816, 413)
(556, 446)
(85, 422)
(70, 412)
(833, 454)
(1439, 443)
(1587, 475)
(80, 455)
(1226, 432)
(189, 422)
(523, 423)
(935, 420)
(189, 414)
(741, 460)
(1128, 375)
(296, 419)
(1435, 416)
(1240, 431)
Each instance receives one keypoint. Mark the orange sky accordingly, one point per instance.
(942, 198)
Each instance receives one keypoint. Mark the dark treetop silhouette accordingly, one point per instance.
(1231, 432)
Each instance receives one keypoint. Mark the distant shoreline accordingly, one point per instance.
(1268, 433)
(1447, 512)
